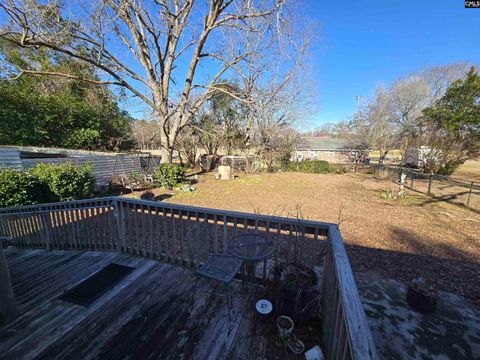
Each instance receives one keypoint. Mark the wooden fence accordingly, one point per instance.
(158, 230)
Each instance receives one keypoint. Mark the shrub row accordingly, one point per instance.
(169, 175)
(45, 183)
(310, 166)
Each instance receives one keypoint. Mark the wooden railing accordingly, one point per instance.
(158, 230)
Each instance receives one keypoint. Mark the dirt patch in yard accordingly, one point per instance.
(403, 238)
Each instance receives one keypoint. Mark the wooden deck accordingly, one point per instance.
(149, 314)
(153, 310)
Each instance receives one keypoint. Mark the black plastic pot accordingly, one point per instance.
(300, 302)
(420, 301)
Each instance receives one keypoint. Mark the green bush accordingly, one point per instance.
(19, 188)
(169, 175)
(66, 181)
(311, 166)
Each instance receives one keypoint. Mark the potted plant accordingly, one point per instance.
(285, 326)
(297, 292)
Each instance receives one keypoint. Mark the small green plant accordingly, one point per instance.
(311, 166)
(169, 175)
(66, 181)
(19, 188)
(389, 195)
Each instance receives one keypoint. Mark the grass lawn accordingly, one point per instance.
(470, 171)
(400, 239)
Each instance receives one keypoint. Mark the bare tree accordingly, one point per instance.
(165, 52)
(145, 134)
(413, 93)
(391, 119)
(327, 130)
(377, 118)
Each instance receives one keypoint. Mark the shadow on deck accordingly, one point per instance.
(150, 313)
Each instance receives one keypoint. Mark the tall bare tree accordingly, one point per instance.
(171, 54)
(145, 134)
(391, 119)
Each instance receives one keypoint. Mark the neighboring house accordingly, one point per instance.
(104, 164)
(323, 148)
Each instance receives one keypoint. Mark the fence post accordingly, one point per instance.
(402, 182)
(429, 192)
(470, 194)
(8, 307)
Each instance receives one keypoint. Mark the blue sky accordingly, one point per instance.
(365, 42)
(362, 43)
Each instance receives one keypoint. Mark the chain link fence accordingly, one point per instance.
(439, 187)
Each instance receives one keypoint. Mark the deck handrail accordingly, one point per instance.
(156, 229)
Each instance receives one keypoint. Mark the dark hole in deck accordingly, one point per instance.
(96, 285)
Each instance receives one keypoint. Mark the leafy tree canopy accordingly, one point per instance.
(458, 111)
(54, 111)
(451, 127)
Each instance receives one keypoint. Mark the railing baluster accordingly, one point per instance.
(76, 219)
(71, 226)
(215, 238)
(85, 228)
(207, 225)
(279, 243)
(27, 231)
(165, 234)
(151, 230)
(24, 229)
(336, 326)
(6, 226)
(173, 243)
(128, 235)
(63, 230)
(143, 248)
(135, 224)
(225, 233)
(158, 236)
(38, 227)
(120, 230)
(180, 237)
(18, 229)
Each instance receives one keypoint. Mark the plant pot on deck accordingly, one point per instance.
(296, 293)
(421, 297)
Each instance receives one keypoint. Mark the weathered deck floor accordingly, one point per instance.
(147, 315)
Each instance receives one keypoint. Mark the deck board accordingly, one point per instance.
(154, 312)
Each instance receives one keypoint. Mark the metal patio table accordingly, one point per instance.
(251, 248)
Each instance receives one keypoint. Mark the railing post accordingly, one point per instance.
(470, 194)
(8, 307)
